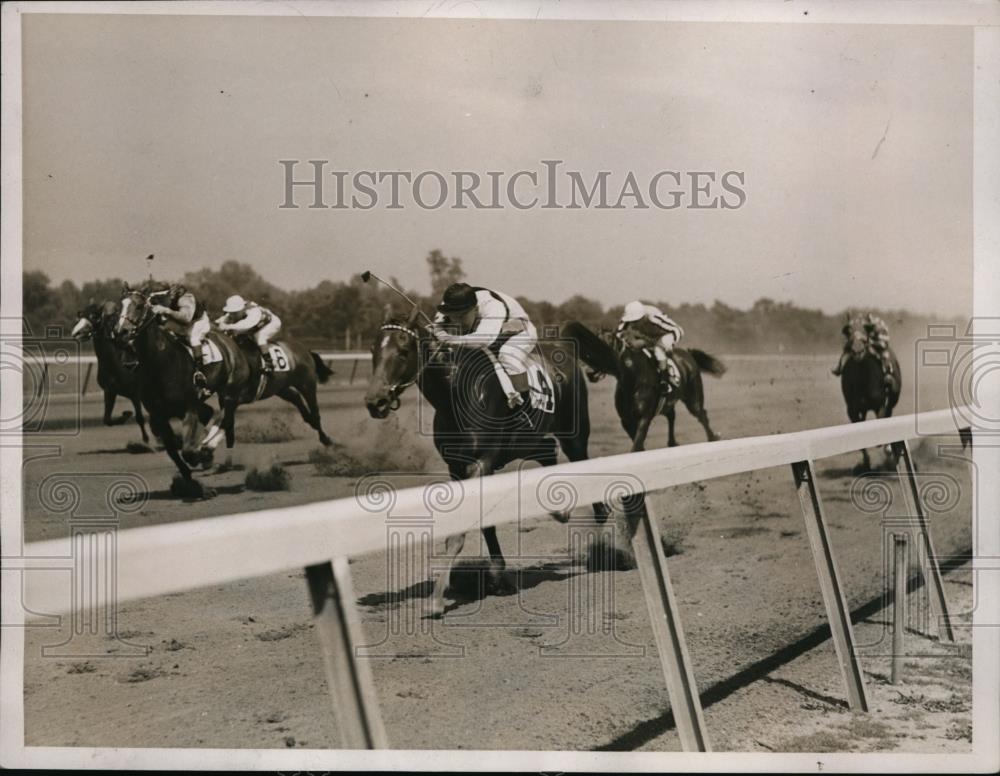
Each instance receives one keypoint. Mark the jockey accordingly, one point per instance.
(648, 326)
(189, 318)
(494, 321)
(240, 316)
(878, 339)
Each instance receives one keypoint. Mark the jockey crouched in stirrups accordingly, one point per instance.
(878, 339)
(241, 317)
(187, 316)
(643, 325)
(496, 322)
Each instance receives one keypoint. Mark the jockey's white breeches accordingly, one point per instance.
(514, 353)
(264, 334)
(199, 328)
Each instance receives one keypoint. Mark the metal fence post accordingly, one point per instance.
(829, 584)
(352, 688)
(911, 494)
(665, 619)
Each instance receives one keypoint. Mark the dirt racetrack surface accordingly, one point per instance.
(566, 663)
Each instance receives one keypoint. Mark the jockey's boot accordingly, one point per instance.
(519, 388)
(265, 357)
(200, 382)
(669, 379)
(887, 374)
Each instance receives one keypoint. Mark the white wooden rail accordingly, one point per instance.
(320, 536)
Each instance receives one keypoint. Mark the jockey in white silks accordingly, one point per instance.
(189, 316)
(493, 321)
(240, 317)
(646, 326)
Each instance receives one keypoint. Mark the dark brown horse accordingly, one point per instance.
(474, 430)
(639, 395)
(863, 383)
(97, 323)
(167, 390)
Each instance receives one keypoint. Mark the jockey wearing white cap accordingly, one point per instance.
(646, 326)
(241, 316)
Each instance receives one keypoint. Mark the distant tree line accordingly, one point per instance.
(346, 314)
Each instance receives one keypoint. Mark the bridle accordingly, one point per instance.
(137, 328)
(396, 389)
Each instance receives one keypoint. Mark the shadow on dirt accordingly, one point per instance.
(469, 583)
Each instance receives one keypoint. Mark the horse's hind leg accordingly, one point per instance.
(671, 414)
(304, 399)
(697, 408)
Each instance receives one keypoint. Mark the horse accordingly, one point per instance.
(863, 384)
(475, 432)
(297, 373)
(166, 371)
(96, 322)
(639, 395)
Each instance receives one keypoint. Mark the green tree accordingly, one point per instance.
(443, 271)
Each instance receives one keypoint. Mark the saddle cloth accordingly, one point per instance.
(541, 391)
(279, 357)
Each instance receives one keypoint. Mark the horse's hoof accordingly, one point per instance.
(435, 611)
(860, 469)
(561, 517)
(500, 585)
(325, 440)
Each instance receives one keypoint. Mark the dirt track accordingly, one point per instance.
(237, 666)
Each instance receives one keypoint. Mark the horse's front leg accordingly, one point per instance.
(140, 419)
(641, 430)
(452, 547)
(109, 406)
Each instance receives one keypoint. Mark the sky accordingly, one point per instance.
(162, 134)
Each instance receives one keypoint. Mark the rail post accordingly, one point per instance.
(354, 370)
(86, 378)
(829, 584)
(914, 507)
(665, 619)
(900, 567)
(352, 687)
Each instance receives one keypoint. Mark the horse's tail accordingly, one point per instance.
(323, 372)
(708, 363)
(594, 352)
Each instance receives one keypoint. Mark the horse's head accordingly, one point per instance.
(857, 339)
(88, 320)
(136, 314)
(395, 364)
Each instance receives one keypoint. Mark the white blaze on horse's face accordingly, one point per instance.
(82, 328)
(126, 304)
